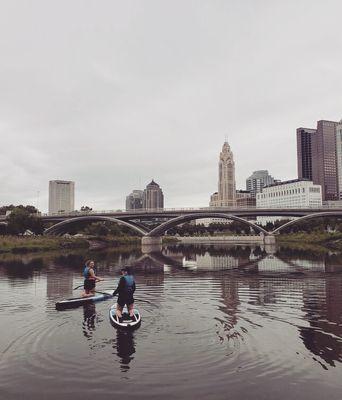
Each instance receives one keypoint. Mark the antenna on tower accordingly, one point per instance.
(226, 138)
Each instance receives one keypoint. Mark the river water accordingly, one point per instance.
(217, 323)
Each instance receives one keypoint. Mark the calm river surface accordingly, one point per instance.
(217, 323)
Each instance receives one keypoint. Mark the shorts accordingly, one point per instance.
(122, 300)
(89, 284)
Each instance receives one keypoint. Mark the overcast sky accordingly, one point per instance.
(111, 94)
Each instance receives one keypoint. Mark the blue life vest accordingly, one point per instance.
(86, 273)
(129, 280)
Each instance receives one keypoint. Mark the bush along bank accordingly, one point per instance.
(21, 244)
(330, 240)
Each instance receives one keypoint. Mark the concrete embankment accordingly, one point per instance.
(222, 239)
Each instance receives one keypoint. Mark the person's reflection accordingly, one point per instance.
(89, 315)
(125, 348)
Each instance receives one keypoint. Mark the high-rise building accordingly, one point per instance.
(226, 195)
(258, 180)
(317, 157)
(153, 196)
(61, 196)
(134, 200)
(305, 141)
(339, 158)
(324, 159)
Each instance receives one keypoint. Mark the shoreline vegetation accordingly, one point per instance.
(28, 244)
(33, 244)
(325, 240)
(23, 244)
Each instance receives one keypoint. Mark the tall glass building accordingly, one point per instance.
(134, 200)
(317, 157)
(339, 158)
(305, 141)
(258, 180)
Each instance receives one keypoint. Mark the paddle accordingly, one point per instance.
(96, 291)
(77, 287)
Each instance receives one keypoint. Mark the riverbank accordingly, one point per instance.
(21, 244)
(329, 240)
(25, 244)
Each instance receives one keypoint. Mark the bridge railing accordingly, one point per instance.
(189, 209)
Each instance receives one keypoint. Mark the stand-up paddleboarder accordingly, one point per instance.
(125, 289)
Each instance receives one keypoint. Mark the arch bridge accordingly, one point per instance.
(169, 218)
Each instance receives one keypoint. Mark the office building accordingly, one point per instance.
(296, 193)
(317, 157)
(134, 201)
(324, 157)
(153, 197)
(226, 194)
(305, 141)
(258, 180)
(339, 158)
(61, 196)
(244, 198)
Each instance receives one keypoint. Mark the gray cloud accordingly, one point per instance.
(111, 94)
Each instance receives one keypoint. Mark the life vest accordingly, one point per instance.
(129, 281)
(86, 273)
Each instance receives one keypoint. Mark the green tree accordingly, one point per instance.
(21, 220)
(86, 209)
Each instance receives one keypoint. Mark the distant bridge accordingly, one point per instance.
(173, 217)
(169, 218)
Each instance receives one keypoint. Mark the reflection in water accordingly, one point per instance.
(125, 348)
(324, 314)
(89, 319)
(241, 319)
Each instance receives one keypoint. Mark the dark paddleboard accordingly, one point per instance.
(126, 322)
(79, 301)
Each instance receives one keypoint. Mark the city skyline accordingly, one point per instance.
(130, 98)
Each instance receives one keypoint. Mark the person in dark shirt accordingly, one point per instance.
(125, 290)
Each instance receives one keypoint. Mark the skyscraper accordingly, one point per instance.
(317, 157)
(134, 200)
(339, 158)
(226, 195)
(258, 180)
(305, 141)
(153, 196)
(61, 196)
(324, 171)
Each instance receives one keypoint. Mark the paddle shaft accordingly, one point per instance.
(77, 287)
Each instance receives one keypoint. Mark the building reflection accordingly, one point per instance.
(59, 282)
(216, 257)
(323, 336)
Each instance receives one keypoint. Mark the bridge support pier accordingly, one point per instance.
(269, 239)
(150, 244)
(270, 244)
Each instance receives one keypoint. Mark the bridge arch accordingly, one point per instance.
(162, 228)
(60, 227)
(307, 217)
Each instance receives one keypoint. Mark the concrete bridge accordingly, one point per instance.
(137, 220)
